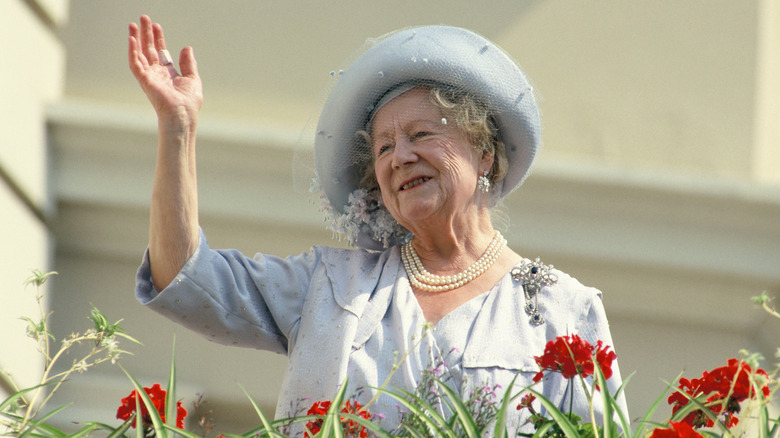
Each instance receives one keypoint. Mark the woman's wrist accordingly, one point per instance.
(177, 120)
(176, 130)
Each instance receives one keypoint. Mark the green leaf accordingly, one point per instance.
(6, 404)
(500, 430)
(129, 338)
(332, 423)
(462, 413)
(102, 326)
(336, 428)
(763, 411)
(139, 423)
(170, 395)
(40, 423)
(157, 422)
(36, 329)
(645, 421)
(560, 418)
(115, 431)
(368, 424)
(327, 427)
(761, 299)
(773, 432)
(84, 431)
(414, 433)
(542, 430)
(695, 404)
(31, 426)
(269, 429)
(422, 412)
(182, 432)
(624, 422)
(38, 278)
(607, 399)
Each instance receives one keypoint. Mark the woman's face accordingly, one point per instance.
(425, 168)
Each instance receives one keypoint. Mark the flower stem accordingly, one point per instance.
(43, 345)
(571, 397)
(770, 310)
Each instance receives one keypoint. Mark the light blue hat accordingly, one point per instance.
(443, 55)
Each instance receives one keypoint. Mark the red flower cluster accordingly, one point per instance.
(527, 402)
(351, 427)
(725, 388)
(572, 355)
(676, 430)
(157, 395)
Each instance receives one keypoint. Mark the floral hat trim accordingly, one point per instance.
(365, 215)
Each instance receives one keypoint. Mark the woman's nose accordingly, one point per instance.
(403, 153)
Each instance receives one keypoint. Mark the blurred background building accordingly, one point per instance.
(658, 181)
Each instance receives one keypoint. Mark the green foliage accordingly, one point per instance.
(38, 278)
(20, 416)
(102, 327)
(432, 410)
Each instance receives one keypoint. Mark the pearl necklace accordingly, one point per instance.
(425, 281)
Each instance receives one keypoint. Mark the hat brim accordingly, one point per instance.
(437, 54)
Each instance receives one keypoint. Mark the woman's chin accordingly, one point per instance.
(419, 215)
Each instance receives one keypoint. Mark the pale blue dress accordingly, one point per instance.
(340, 313)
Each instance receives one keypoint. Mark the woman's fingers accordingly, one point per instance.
(135, 59)
(136, 56)
(159, 38)
(133, 31)
(132, 56)
(187, 63)
(148, 41)
(145, 45)
(159, 44)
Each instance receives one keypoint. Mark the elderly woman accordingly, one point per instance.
(420, 137)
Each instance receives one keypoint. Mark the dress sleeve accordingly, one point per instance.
(233, 299)
(593, 327)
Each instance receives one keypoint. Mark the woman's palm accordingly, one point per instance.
(169, 92)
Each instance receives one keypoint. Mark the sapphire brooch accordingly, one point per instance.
(533, 276)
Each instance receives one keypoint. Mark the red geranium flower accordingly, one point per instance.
(351, 427)
(527, 402)
(572, 356)
(157, 395)
(725, 388)
(676, 430)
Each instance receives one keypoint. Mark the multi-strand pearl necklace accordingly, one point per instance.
(425, 281)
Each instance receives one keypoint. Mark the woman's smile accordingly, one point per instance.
(414, 183)
(416, 153)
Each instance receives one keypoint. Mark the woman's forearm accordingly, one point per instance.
(177, 99)
(174, 228)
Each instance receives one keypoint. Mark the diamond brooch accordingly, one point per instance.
(533, 276)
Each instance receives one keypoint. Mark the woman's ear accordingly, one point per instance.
(486, 163)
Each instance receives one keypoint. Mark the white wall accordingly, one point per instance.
(32, 77)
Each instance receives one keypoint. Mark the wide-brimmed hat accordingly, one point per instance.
(444, 55)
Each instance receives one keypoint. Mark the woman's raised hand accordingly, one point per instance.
(177, 98)
(171, 94)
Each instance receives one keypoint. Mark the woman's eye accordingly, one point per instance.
(420, 134)
(382, 149)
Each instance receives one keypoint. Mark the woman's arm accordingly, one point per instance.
(177, 99)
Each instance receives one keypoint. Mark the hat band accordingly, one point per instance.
(390, 95)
